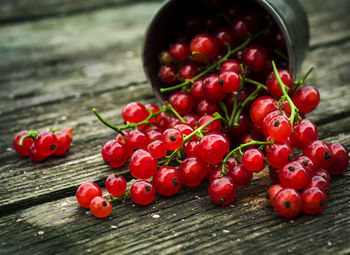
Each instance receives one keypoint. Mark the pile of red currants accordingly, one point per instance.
(229, 110)
(39, 146)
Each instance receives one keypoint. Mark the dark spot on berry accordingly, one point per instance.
(148, 188)
(327, 156)
(53, 147)
(175, 182)
(104, 203)
(287, 204)
(172, 138)
(267, 196)
(221, 82)
(276, 124)
(322, 203)
(305, 163)
(222, 199)
(291, 168)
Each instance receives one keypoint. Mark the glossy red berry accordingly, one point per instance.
(213, 147)
(197, 89)
(184, 129)
(135, 139)
(86, 192)
(35, 155)
(279, 128)
(182, 102)
(46, 143)
(304, 133)
(63, 143)
(192, 170)
(341, 158)
(319, 152)
(231, 65)
(27, 143)
(213, 88)
(114, 153)
(154, 108)
(157, 148)
(214, 126)
(229, 81)
(293, 175)
(179, 51)
(240, 175)
(191, 119)
(314, 200)
(241, 28)
(306, 99)
(288, 203)
(260, 107)
(206, 45)
(253, 160)
(278, 154)
(242, 128)
(167, 181)
(168, 73)
(272, 192)
(206, 106)
(173, 138)
(308, 165)
(324, 174)
(153, 135)
(191, 148)
(223, 37)
(142, 192)
(134, 112)
(222, 190)
(142, 165)
(188, 70)
(321, 183)
(115, 186)
(100, 207)
(255, 58)
(273, 85)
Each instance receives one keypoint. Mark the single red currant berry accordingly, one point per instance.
(213, 147)
(206, 106)
(321, 183)
(142, 165)
(134, 112)
(154, 108)
(167, 181)
(279, 128)
(173, 138)
(278, 154)
(173, 121)
(46, 143)
(253, 160)
(341, 158)
(212, 88)
(260, 107)
(304, 133)
(191, 148)
(68, 132)
(231, 65)
(314, 200)
(135, 139)
(293, 175)
(153, 135)
(288, 203)
(192, 170)
(179, 51)
(214, 126)
(229, 81)
(86, 192)
(100, 207)
(158, 148)
(189, 70)
(63, 143)
(197, 89)
(308, 165)
(224, 36)
(115, 186)
(222, 190)
(142, 192)
(306, 99)
(268, 117)
(319, 152)
(243, 127)
(168, 73)
(114, 153)
(272, 192)
(35, 155)
(191, 119)
(240, 175)
(185, 129)
(273, 85)
(324, 174)
(182, 102)
(206, 46)
(27, 143)
(241, 28)
(255, 58)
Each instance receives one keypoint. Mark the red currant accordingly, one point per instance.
(213, 88)
(191, 148)
(182, 102)
(173, 138)
(306, 99)
(192, 170)
(179, 51)
(240, 175)
(142, 192)
(304, 133)
(114, 153)
(321, 183)
(35, 155)
(213, 147)
(206, 106)
(134, 112)
(222, 190)
(167, 181)
(189, 70)
(46, 143)
(191, 119)
(206, 46)
(279, 128)
(274, 174)
(27, 143)
(260, 107)
(214, 126)
(168, 73)
(231, 65)
(255, 58)
(115, 186)
(314, 200)
(293, 175)
(319, 152)
(253, 160)
(278, 154)
(308, 165)
(153, 109)
(68, 132)
(229, 81)
(273, 85)
(100, 207)
(341, 158)
(288, 203)
(224, 36)
(63, 143)
(135, 139)
(86, 192)
(272, 192)
(142, 165)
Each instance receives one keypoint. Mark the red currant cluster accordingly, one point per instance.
(232, 111)
(38, 146)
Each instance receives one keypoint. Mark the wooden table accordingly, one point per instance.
(58, 59)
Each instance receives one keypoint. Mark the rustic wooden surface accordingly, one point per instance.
(61, 58)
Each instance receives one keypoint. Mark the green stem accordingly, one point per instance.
(260, 85)
(301, 81)
(175, 113)
(224, 109)
(239, 148)
(188, 137)
(31, 134)
(201, 55)
(251, 97)
(294, 109)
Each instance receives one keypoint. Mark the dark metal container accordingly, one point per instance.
(289, 15)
